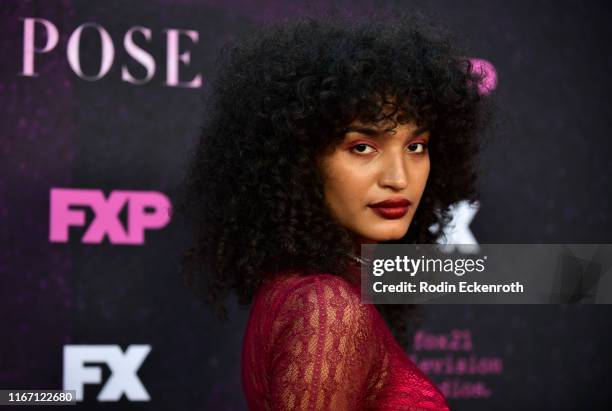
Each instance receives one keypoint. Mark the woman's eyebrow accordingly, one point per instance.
(420, 130)
(377, 133)
(364, 130)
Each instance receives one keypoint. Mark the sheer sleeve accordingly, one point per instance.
(323, 348)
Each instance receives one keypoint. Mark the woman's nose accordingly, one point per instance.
(394, 173)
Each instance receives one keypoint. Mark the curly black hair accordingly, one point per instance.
(282, 95)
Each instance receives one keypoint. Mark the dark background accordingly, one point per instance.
(545, 179)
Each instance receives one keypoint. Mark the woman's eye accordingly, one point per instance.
(363, 148)
(417, 148)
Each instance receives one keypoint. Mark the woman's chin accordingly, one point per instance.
(384, 234)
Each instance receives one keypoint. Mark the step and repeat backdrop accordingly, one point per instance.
(101, 104)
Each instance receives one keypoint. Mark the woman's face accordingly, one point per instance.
(372, 166)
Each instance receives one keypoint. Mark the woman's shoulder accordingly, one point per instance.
(327, 300)
(289, 286)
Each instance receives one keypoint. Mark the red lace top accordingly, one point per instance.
(310, 344)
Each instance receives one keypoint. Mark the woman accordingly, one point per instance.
(321, 135)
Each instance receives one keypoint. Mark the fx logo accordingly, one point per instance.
(123, 366)
(106, 214)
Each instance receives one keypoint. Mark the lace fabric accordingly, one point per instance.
(310, 344)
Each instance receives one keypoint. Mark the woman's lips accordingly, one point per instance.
(392, 208)
(390, 213)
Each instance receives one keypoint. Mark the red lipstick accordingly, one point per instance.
(392, 208)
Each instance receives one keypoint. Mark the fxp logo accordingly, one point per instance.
(145, 210)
